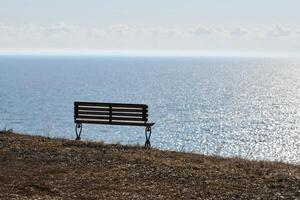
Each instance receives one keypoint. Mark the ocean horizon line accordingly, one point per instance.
(148, 54)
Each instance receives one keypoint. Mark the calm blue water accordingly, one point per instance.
(225, 106)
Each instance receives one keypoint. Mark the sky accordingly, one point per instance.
(156, 26)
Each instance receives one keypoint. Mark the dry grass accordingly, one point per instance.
(33, 167)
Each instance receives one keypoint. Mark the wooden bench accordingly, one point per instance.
(112, 114)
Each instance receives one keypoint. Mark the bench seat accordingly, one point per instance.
(112, 114)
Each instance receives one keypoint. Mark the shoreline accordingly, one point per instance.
(34, 167)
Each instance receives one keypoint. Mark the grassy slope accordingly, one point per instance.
(37, 167)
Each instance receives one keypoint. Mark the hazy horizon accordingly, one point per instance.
(150, 54)
(157, 27)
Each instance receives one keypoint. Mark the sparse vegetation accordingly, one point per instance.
(34, 167)
(6, 130)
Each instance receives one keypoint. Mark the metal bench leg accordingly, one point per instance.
(78, 129)
(148, 135)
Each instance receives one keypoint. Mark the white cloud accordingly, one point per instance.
(31, 30)
(199, 30)
(162, 32)
(9, 30)
(60, 28)
(124, 36)
(121, 30)
(278, 31)
(297, 33)
(114, 31)
(239, 32)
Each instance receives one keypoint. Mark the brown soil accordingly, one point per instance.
(33, 167)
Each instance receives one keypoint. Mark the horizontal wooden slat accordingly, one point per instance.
(112, 123)
(129, 114)
(113, 114)
(113, 110)
(92, 109)
(127, 110)
(100, 107)
(125, 107)
(109, 104)
(112, 118)
(112, 107)
(92, 117)
(92, 113)
(92, 121)
(128, 119)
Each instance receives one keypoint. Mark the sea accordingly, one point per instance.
(225, 106)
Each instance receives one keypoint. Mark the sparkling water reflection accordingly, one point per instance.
(225, 106)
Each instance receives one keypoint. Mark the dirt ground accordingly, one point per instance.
(33, 167)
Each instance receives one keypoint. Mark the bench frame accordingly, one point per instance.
(112, 114)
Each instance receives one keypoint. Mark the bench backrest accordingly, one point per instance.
(110, 113)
